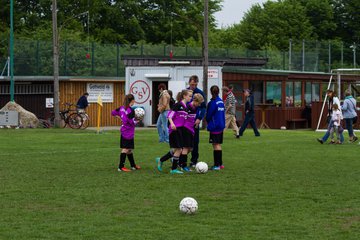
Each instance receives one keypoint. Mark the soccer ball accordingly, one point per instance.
(188, 205)
(139, 113)
(201, 167)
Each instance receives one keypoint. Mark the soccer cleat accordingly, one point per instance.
(237, 136)
(124, 169)
(354, 139)
(159, 164)
(320, 140)
(175, 171)
(137, 167)
(216, 168)
(222, 167)
(186, 169)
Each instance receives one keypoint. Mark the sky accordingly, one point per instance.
(233, 11)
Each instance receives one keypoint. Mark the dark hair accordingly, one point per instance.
(170, 93)
(86, 94)
(214, 91)
(128, 99)
(231, 87)
(194, 78)
(162, 86)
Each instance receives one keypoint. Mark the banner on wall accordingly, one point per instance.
(106, 90)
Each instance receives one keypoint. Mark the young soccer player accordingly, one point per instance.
(215, 117)
(176, 116)
(189, 130)
(127, 132)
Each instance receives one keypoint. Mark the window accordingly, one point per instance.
(273, 93)
(312, 93)
(293, 94)
(257, 89)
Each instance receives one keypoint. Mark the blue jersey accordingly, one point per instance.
(215, 115)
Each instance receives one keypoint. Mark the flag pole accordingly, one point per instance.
(99, 108)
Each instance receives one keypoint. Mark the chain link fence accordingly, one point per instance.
(34, 58)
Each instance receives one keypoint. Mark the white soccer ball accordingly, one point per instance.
(188, 205)
(139, 113)
(201, 167)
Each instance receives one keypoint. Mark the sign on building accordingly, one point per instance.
(105, 89)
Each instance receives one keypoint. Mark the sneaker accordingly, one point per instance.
(222, 167)
(216, 168)
(186, 169)
(192, 165)
(320, 140)
(175, 171)
(332, 142)
(354, 139)
(124, 169)
(137, 167)
(237, 136)
(159, 164)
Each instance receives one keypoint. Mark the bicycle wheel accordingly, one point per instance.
(75, 121)
(85, 120)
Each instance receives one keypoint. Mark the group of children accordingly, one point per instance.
(181, 127)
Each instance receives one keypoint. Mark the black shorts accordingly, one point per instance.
(188, 138)
(216, 138)
(127, 143)
(176, 138)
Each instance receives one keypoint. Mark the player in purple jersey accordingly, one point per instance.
(177, 116)
(189, 129)
(127, 132)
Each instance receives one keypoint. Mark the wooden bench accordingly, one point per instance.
(292, 122)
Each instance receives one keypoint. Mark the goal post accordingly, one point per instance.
(338, 73)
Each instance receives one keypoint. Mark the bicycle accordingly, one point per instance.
(69, 116)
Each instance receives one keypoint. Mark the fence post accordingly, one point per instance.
(142, 50)
(37, 58)
(303, 56)
(65, 59)
(329, 68)
(92, 59)
(186, 50)
(290, 53)
(117, 59)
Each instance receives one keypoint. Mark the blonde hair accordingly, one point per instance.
(180, 96)
(198, 98)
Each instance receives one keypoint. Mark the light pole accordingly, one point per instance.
(12, 88)
(206, 47)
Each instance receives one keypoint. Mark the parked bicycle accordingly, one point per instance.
(69, 116)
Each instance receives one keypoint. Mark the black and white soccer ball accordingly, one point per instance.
(139, 113)
(188, 205)
(201, 167)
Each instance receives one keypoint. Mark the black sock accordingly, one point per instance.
(131, 159)
(183, 160)
(175, 163)
(122, 160)
(217, 158)
(167, 156)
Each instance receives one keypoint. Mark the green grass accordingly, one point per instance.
(64, 184)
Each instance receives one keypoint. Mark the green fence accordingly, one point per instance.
(34, 58)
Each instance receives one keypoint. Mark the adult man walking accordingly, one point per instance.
(230, 110)
(193, 83)
(249, 113)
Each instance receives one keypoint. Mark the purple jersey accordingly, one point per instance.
(191, 118)
(128, 121)
(178, 114)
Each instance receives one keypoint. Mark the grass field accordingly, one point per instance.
(64, 184)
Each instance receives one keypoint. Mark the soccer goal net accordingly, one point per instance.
(335, 84)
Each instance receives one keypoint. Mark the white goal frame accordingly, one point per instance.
(338, 72)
